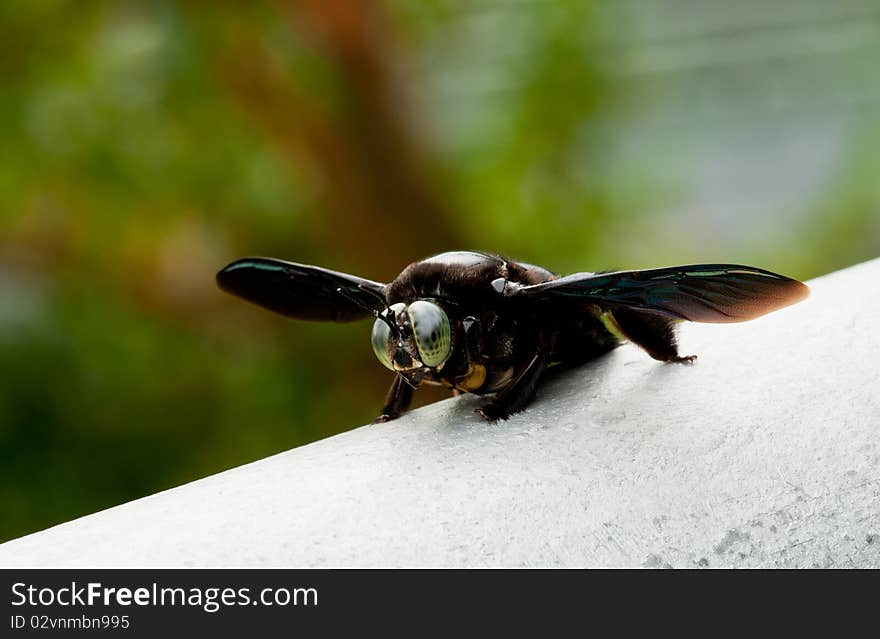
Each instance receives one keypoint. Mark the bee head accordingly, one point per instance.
(408, 337)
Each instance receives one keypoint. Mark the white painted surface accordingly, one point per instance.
(764, 453)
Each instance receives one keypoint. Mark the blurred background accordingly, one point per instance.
(143, 145)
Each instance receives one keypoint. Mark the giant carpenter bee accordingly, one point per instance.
(479, 323)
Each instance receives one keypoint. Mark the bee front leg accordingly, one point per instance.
(397, 400)
(518, 394)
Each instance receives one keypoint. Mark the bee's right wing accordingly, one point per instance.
(697, 292)
(302, 291)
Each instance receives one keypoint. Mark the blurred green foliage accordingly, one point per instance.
(146, 144)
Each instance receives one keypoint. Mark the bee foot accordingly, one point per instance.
(381, 419)
(688, 359)
(492, 413)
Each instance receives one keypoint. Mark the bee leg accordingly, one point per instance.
(472, 343)
(473, 338)
(518, 394)
(653, 333)
(397, 400)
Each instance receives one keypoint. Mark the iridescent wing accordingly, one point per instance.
(302, 291)
(698, 292)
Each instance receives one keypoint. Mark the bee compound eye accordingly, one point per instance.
(380, 341)
(432, 332)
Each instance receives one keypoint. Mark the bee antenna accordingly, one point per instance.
(385, 318)
(351, 298)
(372, 310)
(379, 297)
(388, 312)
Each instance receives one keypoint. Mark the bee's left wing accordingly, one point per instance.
(302, 291)
(698, 292)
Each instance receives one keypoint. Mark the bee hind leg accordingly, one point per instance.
(653, 333)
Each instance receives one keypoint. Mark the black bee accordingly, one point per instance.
(479, 323)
